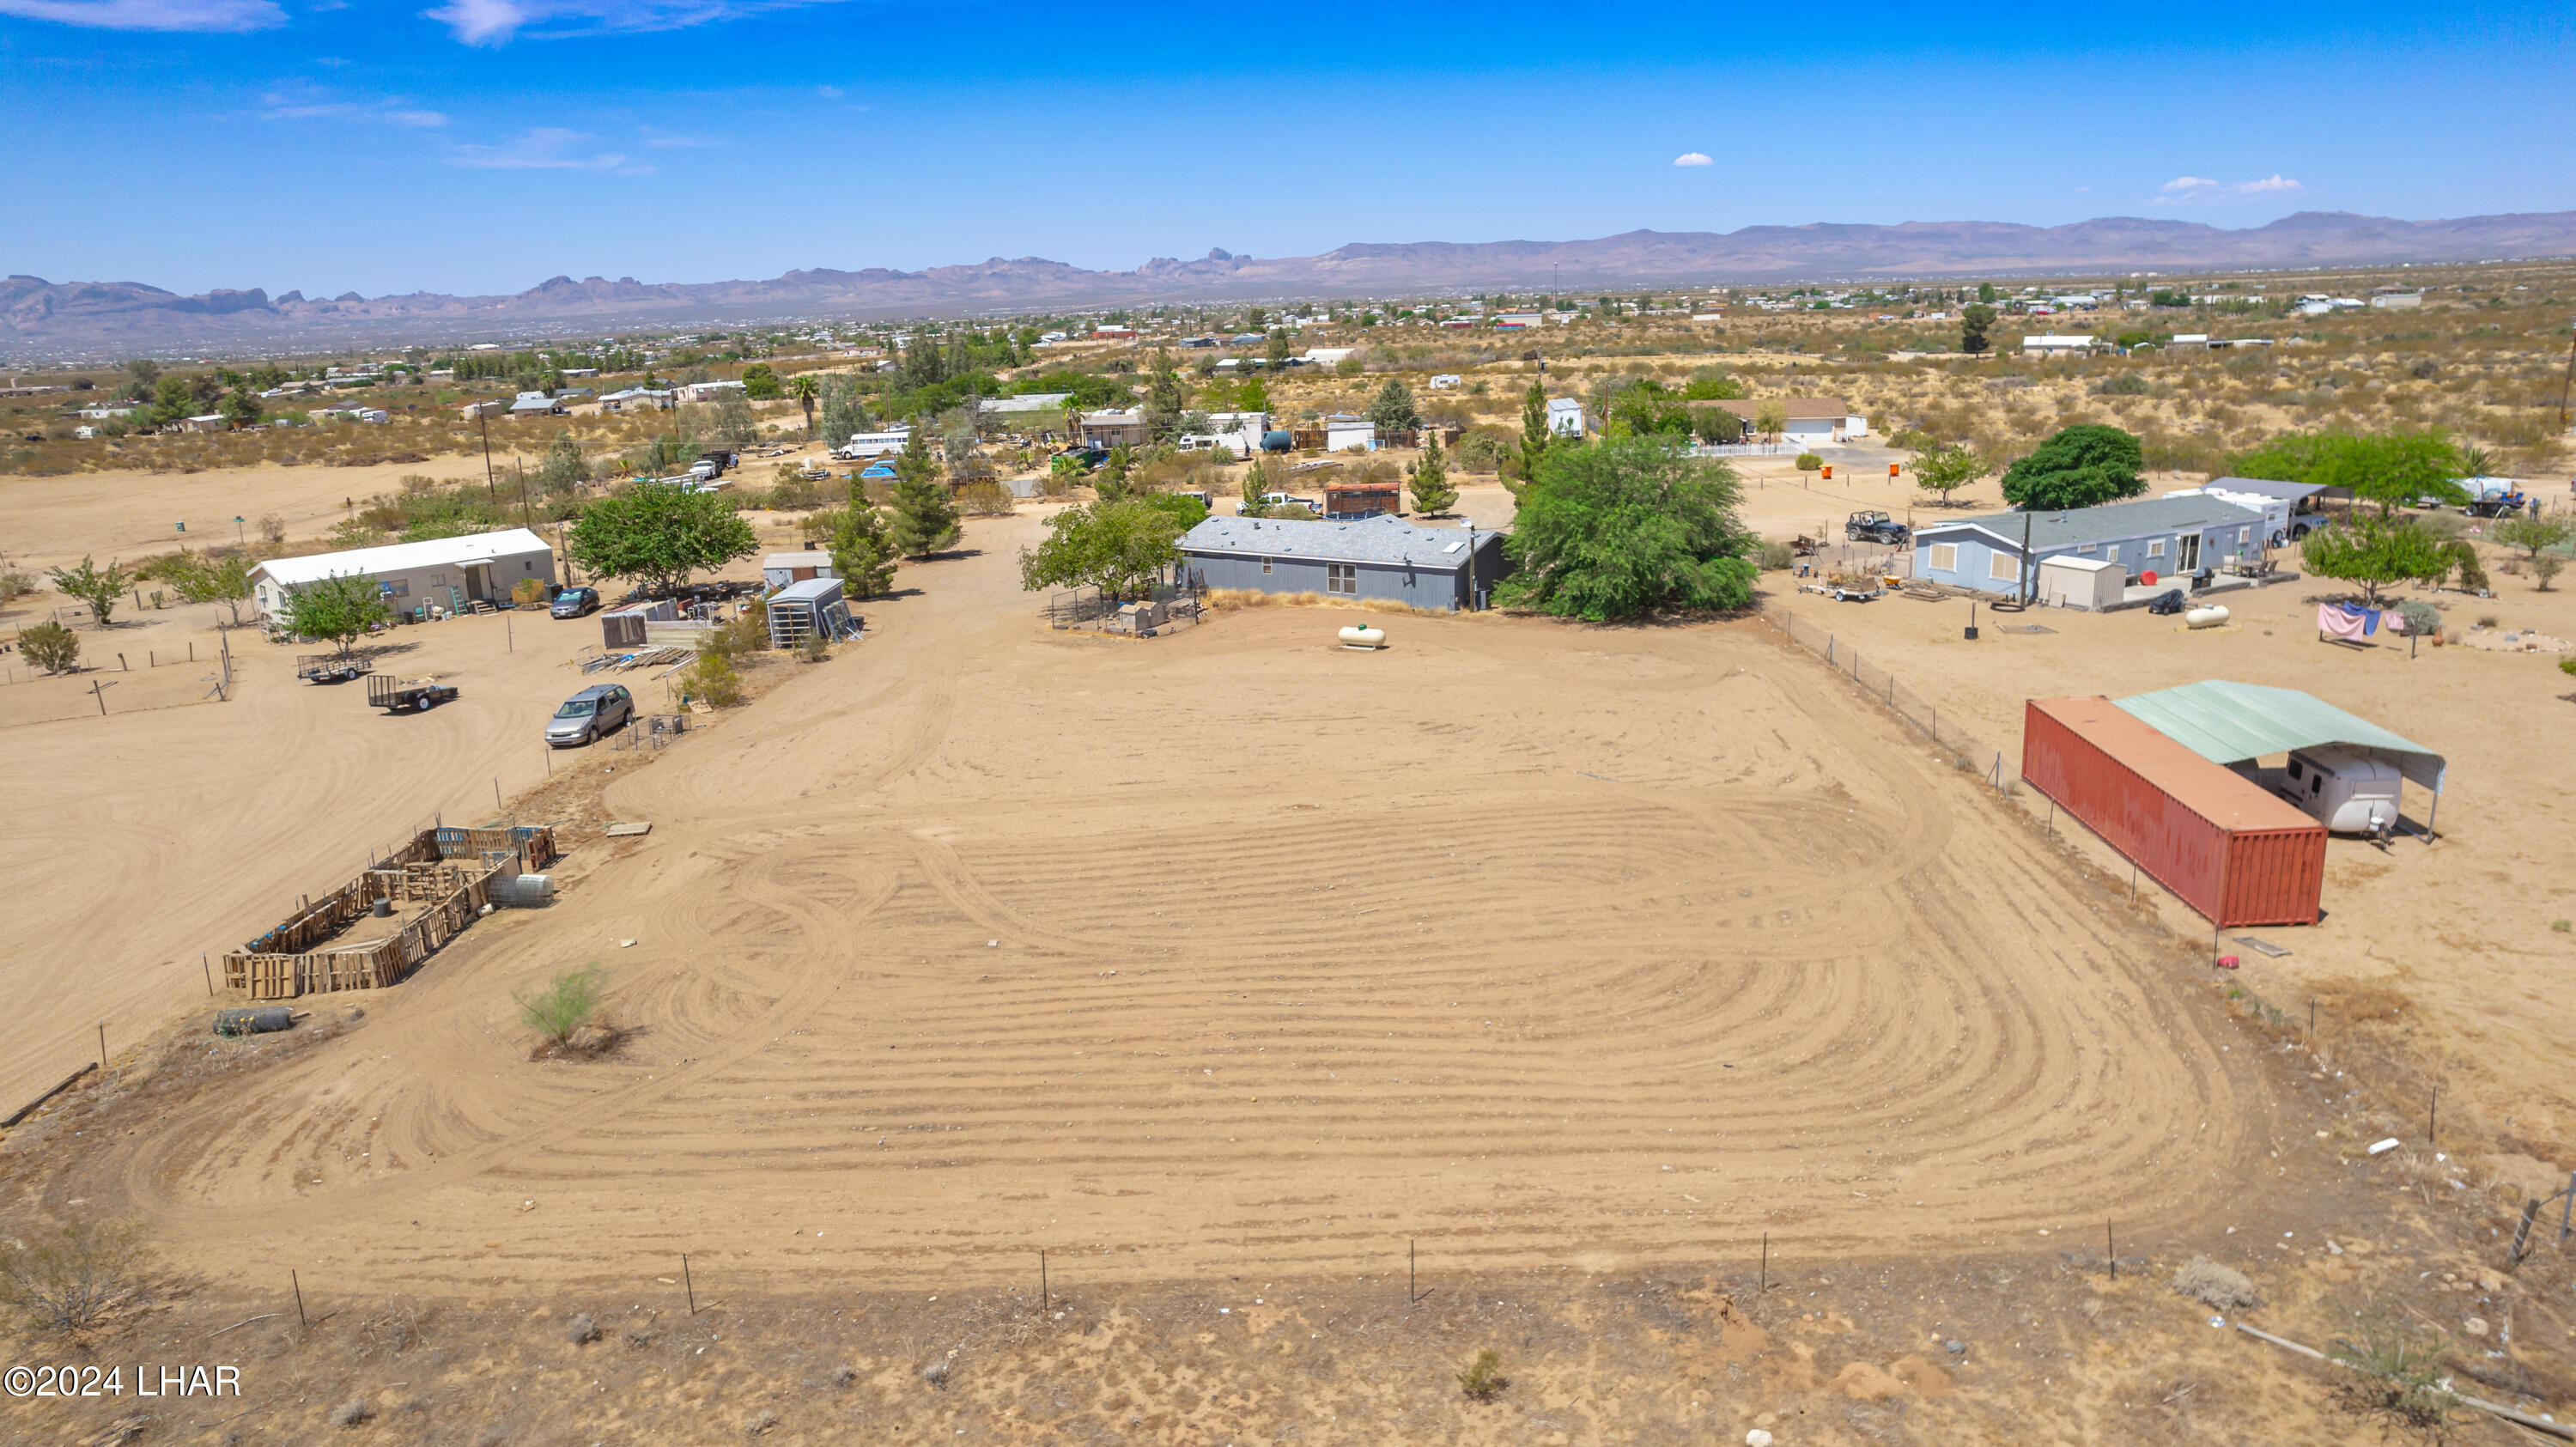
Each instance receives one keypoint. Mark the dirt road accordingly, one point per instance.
(1235, 950)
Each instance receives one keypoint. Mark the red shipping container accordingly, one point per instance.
(2217, 839)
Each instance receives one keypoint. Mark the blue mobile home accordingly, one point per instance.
(2170, 537)
(1446, 569)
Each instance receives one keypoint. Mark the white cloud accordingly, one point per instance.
(1692, 158)
(544, 148)
(2188, 183)
(312, 103)
(200, 15)
(2274, 182)
(497, 22)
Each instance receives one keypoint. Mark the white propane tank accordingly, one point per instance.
(2209, 617)
(1363, 637)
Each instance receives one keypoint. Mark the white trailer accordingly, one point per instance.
(2348, 791)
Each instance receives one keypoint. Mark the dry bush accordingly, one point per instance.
(1484, 1377)
(2221, 1288)
(393, 1331)
(72, 1280)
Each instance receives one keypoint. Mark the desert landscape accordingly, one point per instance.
(1025, 1034)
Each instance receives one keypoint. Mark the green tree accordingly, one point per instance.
(1277, 350)
(2392, 469)
(1535, 437)
(1986, 291)
(1429, 480)
(2376, 554)
(760, 382)
(1252, 396)
(50, 646)
(925, 516)
(340, 607)
(562, 472)
(735, 428)
(241, 408)
(1947, 467)
(803, 388)
(1392, 410)
(101, 589)
(1629, 526)
(1114, 546)
(212, 578)
(1115, 479)
(657, 533)
(2535, 536)
(1166, 400)
(845, 413)
(1708, 384)
(1972, 327)
(861, 553)
(1770, 419)
(2082, 466)
(1716, 424)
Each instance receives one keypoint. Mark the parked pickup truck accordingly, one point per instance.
(1876, 527)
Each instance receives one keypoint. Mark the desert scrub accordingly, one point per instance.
(566, 1004)
(1484, 1377)
(71, 1280)
(50, 646)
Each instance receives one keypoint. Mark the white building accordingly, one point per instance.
(1329, 356)
(1565, 416)
(443, 573)
(1444, 381)
(1343, 431)
(707, 391)
(2396, 300)
(1236, 432)
(2057, 344)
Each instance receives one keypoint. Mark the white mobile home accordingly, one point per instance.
(441, 575)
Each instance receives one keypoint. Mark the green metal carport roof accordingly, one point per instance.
(2227, 723)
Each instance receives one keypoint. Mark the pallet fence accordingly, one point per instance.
(450, 868)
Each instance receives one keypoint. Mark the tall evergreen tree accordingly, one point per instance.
(1534, 433)
(1165, 399)
(925, 516)
(1432, 493)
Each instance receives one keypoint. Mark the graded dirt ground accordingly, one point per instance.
(1237, 951)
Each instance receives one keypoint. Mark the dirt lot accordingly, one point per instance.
(1220, 968)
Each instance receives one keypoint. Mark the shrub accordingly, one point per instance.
(527, 590)
(1809, 462)
(70, 1281)
(563, 1006)
(1484, 1376)
(713, 679)
(2396, 1377)
(351, 1412)
(50, 646)
(1776, 556)
(2127, 384)
(2567, 666)
(2220, 1287)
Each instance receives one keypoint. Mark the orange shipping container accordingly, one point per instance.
(2218, 840)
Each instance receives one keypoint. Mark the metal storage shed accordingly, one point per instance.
(2232, 723)
(2220, 842)
(2067, 581)
(801, 609)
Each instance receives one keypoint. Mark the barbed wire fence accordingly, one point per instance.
(1967, 751)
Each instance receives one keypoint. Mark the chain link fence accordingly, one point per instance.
(1966, 750)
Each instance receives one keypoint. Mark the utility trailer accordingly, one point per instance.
(331, 667)
(407, 695)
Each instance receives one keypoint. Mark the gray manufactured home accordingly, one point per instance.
(1384, 557)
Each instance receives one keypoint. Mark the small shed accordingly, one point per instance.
(624, 627)
(1346, 502)
(2072, 582)
(800, 610)
(780, 569)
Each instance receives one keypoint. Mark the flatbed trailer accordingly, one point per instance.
(331, 667)
(400, 695)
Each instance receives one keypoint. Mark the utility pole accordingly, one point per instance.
(483, 420)
(2570, 380)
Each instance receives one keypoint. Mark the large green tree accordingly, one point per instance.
(1628, 526)
(1972, 328)
(1392, 409)
(212, 578)
(1535, 439)
(340, 608)
(760, 382)
(102, 589)
(861, 552)
(1166, 400)
(1114, 546)
(2536, 536)
(657, 533)
(2392, 469)
(925, 516)
(1946, 467)
(802, 387)
(562, 472)
(2377, 553)
(2082, 466)
(1433, 494)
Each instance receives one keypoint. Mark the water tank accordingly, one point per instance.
(1277, 441)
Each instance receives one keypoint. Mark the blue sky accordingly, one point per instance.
(484, 145)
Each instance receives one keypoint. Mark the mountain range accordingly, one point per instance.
(81, 319)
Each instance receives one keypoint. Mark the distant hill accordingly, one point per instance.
(40, 318)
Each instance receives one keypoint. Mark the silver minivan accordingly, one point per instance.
(590, 715)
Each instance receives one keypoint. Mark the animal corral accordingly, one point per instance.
(449, 871)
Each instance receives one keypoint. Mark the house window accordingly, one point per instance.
(1342, 578)
(399, 588)
(438, 580)
(2086, 548)
(1265, 565)
(1945, 557)
(2155, 547)
(2002, 565)
(2244, 535)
